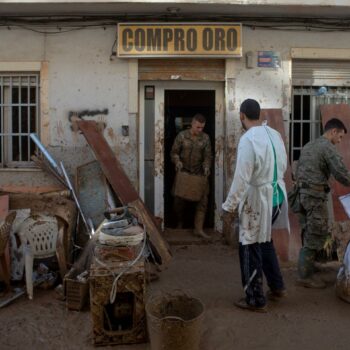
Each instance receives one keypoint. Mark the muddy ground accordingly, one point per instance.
(306, 319)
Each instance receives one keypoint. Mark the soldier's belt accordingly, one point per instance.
(317, 188)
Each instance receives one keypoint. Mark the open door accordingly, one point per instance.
(165, 109)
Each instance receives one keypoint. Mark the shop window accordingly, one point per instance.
(19, 116)
(305, 121)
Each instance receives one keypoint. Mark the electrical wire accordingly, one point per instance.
(64, 24)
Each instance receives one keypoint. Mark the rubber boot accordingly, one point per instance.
(198, 225)
(306, 269)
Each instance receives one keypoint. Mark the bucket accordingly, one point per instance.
(174, 322)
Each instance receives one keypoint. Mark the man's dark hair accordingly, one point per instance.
(335, 123)
(200, 118)
(251, 109)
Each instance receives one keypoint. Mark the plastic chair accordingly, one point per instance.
(42, 238)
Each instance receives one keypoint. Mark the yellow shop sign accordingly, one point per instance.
(179, 40)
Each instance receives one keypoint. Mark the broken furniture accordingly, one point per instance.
(41, 238)
(117, 282)
(55, 204)
(123, 188)
(124, 320)
(76, 291)
(5, 230)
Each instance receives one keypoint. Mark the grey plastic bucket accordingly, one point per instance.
(174, 322)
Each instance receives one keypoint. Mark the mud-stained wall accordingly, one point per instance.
(270, 86)
(81, 76)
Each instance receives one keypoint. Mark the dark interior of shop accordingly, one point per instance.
(180, 107)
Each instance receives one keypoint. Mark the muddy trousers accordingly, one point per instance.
(256, 259)
(201, 209)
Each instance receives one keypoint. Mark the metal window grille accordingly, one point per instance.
(19, 116)
(305, 121)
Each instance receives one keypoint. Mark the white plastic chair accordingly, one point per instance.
(41, 238)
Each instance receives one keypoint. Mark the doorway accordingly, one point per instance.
(179, 108)
(167, 107)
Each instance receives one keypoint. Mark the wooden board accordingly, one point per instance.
(122, 186)
(342, 112)
(287, 246)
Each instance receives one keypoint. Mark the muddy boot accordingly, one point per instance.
(306, 270)
(198, 226)
(306, 262)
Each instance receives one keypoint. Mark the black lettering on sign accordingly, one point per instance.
(140, 39)
(127, 40)
(231, 40)
(219, 39)
(207, 39)
(154, 39)
(167, 37)
(179, 39)
(191, 39)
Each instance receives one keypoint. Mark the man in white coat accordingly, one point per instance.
(258, 192)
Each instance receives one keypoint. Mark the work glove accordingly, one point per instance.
(178, 166)
(206, 171)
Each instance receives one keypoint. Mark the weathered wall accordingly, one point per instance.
(81, 76)
(270, 86)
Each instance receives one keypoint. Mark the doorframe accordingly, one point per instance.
(160, 87)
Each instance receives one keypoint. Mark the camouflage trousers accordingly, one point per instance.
(313, 218)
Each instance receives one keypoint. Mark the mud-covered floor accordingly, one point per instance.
(306, 319)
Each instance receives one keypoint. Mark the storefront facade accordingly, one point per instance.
(50, 72)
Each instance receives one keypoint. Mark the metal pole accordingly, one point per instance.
(45, 152)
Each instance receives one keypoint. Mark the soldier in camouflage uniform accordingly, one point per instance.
(191, 152)
(318, 161)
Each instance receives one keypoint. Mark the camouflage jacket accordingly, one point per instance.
(194, 153)
(319, 160)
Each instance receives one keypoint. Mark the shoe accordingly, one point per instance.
(242, 304)
(276, 295)
(310, 283)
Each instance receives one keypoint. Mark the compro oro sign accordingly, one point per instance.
(179, 40)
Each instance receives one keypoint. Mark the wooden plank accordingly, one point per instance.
(341, 112)
(122, 186)
(287, 246)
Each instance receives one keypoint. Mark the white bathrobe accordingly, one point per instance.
(251, 188)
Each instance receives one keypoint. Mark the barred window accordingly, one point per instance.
(305, 121)
(19, 116)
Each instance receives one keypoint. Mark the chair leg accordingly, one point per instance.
(60, 253)
(28, 261)
(5, 272)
